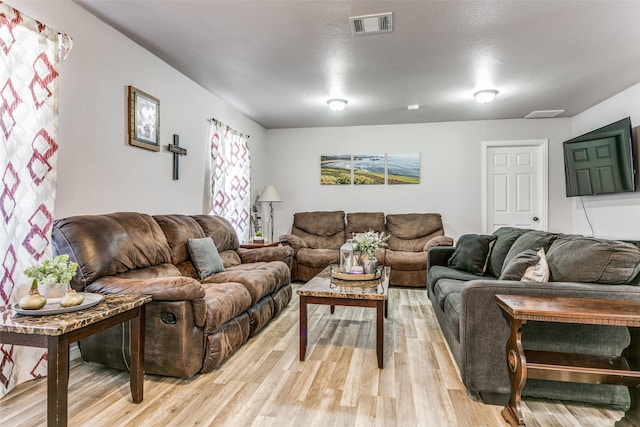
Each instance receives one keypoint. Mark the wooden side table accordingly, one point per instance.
(56, 332)
(623, 370)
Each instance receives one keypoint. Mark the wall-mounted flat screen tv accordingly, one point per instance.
(601, 161)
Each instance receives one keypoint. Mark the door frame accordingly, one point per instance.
(543, 148)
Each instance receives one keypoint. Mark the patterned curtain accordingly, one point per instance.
(230, 177)
(29, 56)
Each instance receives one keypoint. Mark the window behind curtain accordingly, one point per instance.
(230, 177)
(29, 56)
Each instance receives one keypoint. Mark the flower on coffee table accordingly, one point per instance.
(369, 242)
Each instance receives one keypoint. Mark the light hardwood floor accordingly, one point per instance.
(264, 383)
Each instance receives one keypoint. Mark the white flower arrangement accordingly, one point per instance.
(52, 271)
(369, 242)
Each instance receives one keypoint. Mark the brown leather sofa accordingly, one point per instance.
(192, 324)
(316, 238)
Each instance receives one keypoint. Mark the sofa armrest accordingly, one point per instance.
(484, 328)
(294, 241)
(439, 255)
(267, 254)
(438, 241)
(176, 288)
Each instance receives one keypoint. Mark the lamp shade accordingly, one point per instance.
(270, 194)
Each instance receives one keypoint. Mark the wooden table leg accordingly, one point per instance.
(632, 354)
(303, 327)
(380, 332)
(57, 380)
(136, 344)
(333, 309)
(517, 364)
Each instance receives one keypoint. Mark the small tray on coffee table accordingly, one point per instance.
(337, 274)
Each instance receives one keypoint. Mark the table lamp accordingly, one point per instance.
(270, 195)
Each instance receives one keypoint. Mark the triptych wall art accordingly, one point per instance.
(364, 169)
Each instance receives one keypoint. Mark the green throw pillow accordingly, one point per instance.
(205, 257)
(472, 253)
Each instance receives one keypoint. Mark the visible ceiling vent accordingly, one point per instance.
(543, 114)
(371, 24)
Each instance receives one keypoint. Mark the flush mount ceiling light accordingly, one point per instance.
(413, 107)
(485, 96)
(337, 104)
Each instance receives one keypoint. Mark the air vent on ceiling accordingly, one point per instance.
(371, 24)
(543, 114)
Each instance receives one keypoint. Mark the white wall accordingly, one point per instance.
(615, 215)
(97, 171)
(450, 169)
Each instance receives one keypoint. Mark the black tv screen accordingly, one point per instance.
(601, 161)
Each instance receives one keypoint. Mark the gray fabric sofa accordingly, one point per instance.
(476, 330)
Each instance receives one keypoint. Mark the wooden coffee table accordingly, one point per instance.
(623, 370)
(56, 332)
(319, 290)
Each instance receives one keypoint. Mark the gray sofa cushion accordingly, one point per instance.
(518, 265)
(452, 312)
(445, 287)
(591, 260)
(438, 272)
(505, 236)
(531, 239)
(472, 253)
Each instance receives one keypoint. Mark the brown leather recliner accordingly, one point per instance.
(316, 238)
(192, 325)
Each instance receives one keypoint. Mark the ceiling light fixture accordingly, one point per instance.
(485, 96)
(413, 107)
(337, 104)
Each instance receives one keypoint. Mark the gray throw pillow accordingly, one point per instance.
(532, 239)
(472, 253)
(205, 257)
(518, 265)
(505, 237)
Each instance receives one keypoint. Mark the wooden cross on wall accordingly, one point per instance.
(177, 152)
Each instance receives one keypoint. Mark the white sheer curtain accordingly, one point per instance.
(230, 177)
(29, 56)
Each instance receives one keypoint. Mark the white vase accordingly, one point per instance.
(53, 291)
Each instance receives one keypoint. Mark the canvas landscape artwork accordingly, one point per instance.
(335, 169)
(402, 168)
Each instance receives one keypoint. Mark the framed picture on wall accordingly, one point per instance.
(335, 169)
(368, 169)
(403, 168)
(143, 119)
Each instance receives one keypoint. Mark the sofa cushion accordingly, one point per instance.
(224, 302)
(538, 272)
(204, 256)
(452, 307)
(320, 229)
(178, 229)
(317, 257)
(472, 253)
(410, 232)
(505, 236)
(531, 239)
(403, 260)
(445, 287)
(220, 230)
(438, 272)
(519, 264)
(591, 260)
(258, 282)
(360, 222)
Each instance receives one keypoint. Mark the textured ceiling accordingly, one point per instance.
(278, 62)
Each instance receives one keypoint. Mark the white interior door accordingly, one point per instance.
(514, 184)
